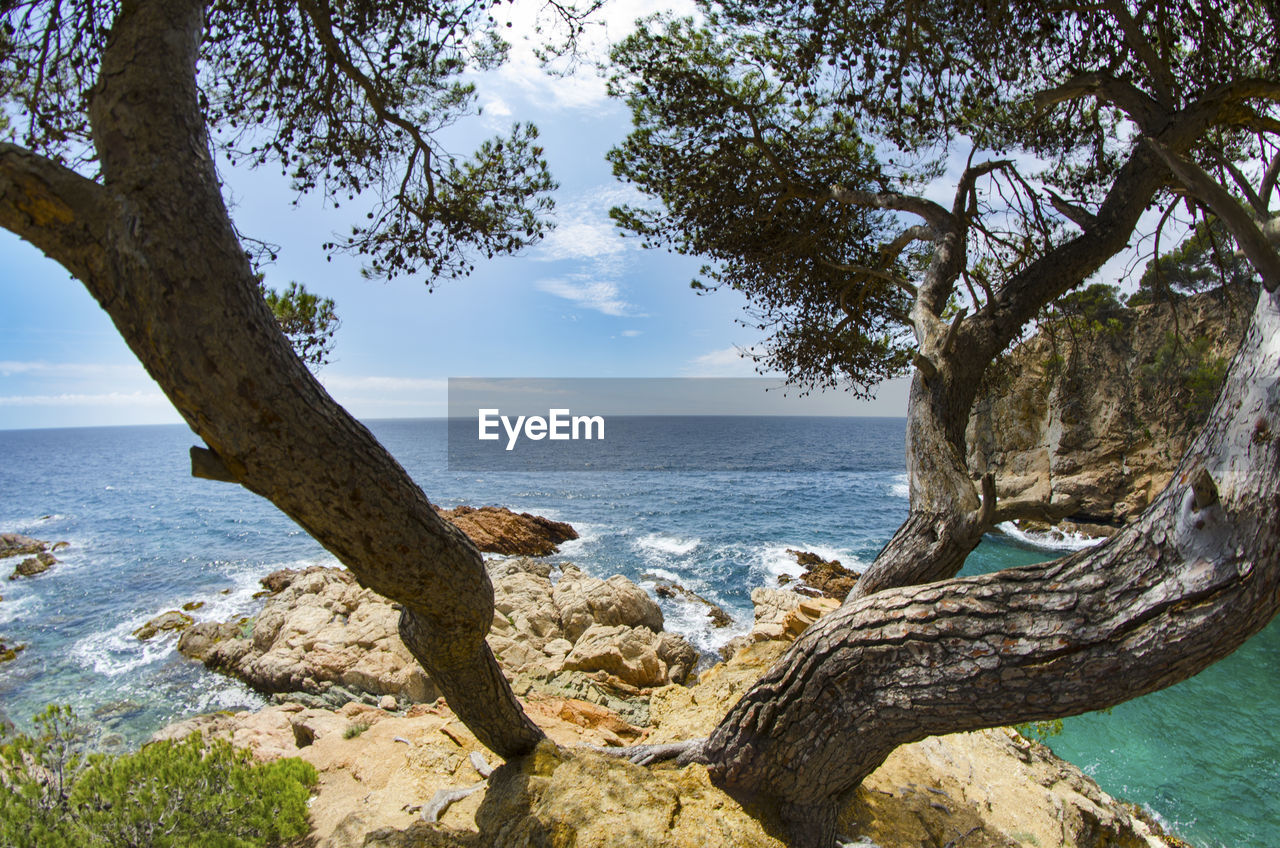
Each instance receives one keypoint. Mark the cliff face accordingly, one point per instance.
(1099, 409)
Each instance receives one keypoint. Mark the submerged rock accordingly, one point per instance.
(171, 620)
(498, 530)
(32, 566)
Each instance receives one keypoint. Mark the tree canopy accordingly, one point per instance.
(348, 100)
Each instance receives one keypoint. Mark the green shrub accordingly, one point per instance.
(166, 795)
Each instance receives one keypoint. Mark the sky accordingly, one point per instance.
(583, 303)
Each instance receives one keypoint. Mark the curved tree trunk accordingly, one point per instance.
(154, 244)
(1179, 589)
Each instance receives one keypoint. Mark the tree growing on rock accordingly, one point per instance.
(766, 144)
(799, 147)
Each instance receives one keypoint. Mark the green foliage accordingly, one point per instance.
(1091, 311)
(167, 795)
(742, 171)
(347, 99)
(1204, 260)
(1039, 731)
(309, 321)
(354, 730)
(1189, 371)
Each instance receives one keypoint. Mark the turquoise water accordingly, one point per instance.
(146, 537)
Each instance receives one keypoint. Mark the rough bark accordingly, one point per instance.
(1179, 589)
(155, 246)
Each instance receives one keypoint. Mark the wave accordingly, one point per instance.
(1051, 540)
(117, 651)
(664, 547)
(776, 561)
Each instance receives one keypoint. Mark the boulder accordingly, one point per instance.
(171, 620)
(584, 600)
(828, 577)
(15, 544)
(322, 639)
(498, 530)
(667, 589)
(34, 565)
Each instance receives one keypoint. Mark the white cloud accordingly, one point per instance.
(581, 240)
(349, 383)
(496, 107)
(725, 362)
(98, 399)
(534, 24)
(11, 368)
(601, 295)
(631, 334)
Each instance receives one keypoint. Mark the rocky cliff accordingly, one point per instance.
(1095, 410)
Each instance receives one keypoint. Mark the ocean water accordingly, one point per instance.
(146, 537)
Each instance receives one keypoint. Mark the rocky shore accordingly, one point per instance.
(382, 767)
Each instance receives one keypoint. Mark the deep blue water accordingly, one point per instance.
(146, 537)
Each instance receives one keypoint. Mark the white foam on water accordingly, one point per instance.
(775, 560)
(900, 487)
(14, 609)
(31, 524)
(117, 651)
(661, 574)
(664, 547)
(228, 694)
(689, 618)
(1052, 540)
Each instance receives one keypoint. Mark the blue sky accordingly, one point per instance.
(584, 303)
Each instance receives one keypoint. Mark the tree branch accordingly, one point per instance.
(54, 208)
(935, 214)
(1243, 227)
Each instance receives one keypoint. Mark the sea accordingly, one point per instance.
(145, 537)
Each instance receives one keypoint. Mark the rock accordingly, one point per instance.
(8, 653)
(499, 530)
(322, 640)
(584, 600)
(779, 614)
(989, 789)
(829, 577)
(667, 589)
(318, 633)
(198, 639)
(627, 653)
(192, 606)
(32, 566)
(1081, 421)
(15, 544)
(171, 620)
(387, 702)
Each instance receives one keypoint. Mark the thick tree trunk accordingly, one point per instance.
(155, 245)
(1179, 589)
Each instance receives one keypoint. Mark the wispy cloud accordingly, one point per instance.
(725, 362)
(631, 334)
(94, 399)
(349, 383)
(601, 295)
(533, 24)
(62, 370)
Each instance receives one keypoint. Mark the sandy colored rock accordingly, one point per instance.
(827, 577)
(1080, 421)
(584, 600)
(321, 634)
(499, 530)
